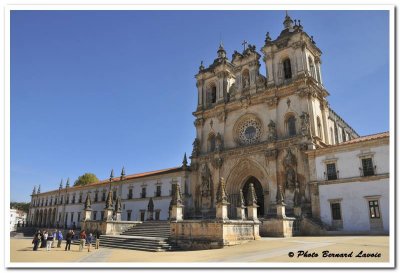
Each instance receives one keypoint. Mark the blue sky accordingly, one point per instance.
(95, 90)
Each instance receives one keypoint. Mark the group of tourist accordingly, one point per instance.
(47, 240)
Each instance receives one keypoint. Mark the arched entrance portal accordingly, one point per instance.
(259, 193)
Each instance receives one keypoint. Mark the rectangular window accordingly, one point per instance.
(80, 198)
(143, 195)
(374, 209)
(59, 217)
(79, 216)
(158, 191)
(331, 171)
(72, 217)
(130, 194)
(73, 199)
(103, 198)
(96, 196)
(367, 167)
(102, 215)
(336, 215)
(67, 200)
(62, 199)
(129, 215)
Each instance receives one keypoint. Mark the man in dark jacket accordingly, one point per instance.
(68, 238)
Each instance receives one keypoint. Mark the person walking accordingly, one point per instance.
(42, 241)
(54, 238)
(59, 239)
(35, 241)
(89, 240)
(49, 241)
(98, 233)
(82, 238)
(68, 238)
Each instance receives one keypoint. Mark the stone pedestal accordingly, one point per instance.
(277, 227)
(252, 212)
(176, 213)
(87, 214)
(297, 211)
(222, 211)
(241, 213)
(108, 215)
(280, 211)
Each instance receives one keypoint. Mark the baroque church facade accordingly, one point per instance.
(251, 129)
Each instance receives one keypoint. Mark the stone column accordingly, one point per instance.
(176, 204)
(240, 210)
(252, 203)
(222, 201)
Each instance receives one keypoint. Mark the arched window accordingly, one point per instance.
(211, 143)
(319, 127)
(287, 69)
(291, 126)
(311, 66)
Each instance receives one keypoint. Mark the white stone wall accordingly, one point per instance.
(349, 162)
(354, 205)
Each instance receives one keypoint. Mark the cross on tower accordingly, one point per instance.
(244, 45)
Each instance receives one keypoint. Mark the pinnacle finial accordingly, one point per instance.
(67, 184)
(241, 199)
(251, 196)
(112, 174)
(184, 162)
(38, 191)
(280, 198)
(109, 201)
(221, 51)
(288, 22)
(176, 195)
(123, 173)
(118, 205)
(34, 190)
(268, 38)
(201, 67)
(61, 185)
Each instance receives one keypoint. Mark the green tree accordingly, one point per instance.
(20, 206)
(86, 179)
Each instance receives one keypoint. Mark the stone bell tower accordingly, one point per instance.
(253, 129)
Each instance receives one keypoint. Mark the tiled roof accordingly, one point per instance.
(118, 178)
(365, 138)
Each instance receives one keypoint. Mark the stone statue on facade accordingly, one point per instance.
(272, 135)
(222, 197)
(196, 147)
(290, 164)
(297, 196)
(205, 181)
(305, 124)
(280, 195)
(218, 143)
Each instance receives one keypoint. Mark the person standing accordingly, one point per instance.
(35, 241)
(68, 238)
(49, 241)
(59, 238)
(89, 240)
(98, 233)
(44, 239)
(82, 238)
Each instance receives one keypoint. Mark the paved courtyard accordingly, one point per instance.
(303, 249)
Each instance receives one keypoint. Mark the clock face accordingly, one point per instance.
(249, 132)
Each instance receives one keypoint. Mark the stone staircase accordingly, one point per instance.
(148, 236)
